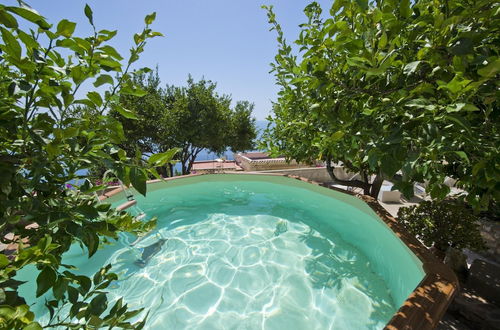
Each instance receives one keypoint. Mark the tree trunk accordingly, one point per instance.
(171, 168)
(184, 159)
(366, 190)
(376, 185)
(192, 158)
(350, 183)
(162, 170)
(370, 189)
(184, 167)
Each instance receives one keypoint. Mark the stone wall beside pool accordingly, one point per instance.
(490, 231)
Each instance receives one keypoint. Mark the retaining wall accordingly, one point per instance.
(318, 174)
(490, 230)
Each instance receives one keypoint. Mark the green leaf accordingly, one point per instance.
(358, 61)
(72, 294)
(33, 326)
(154, 172)
(66, 28)
(99, 304)
(27, 39)
(337, 4)
(103, 79)
(389, 166)
(461, 106)
(439, 191)
(103, 207)
(337, 136)
(70, 132)
(85, 283)
(456, 85)
(60, 287)
(116, 307)
(138, 179)
(109, 64)
(88, 211)
(140, 325)
(11, 46)
(404, 8)
(155, 34)
(150, 18)
(89, 14)
(383, 41)
(45, 281)
(95, 98)
(490, 70)
(77, 74)
(363, 4)
(134, 91)
(124, 112)
(111, 52)
(30, 15)
(410, 68)
(477, 167)
(91, 241)
(95, 322)
(4, 261)
(462, 155)
(7, 19)
(462, 46)
(106, 34)
(138, 38)
(52, 150)
(161, 159)
(460, 122)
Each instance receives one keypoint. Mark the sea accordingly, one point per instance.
(261, 125)
(228, 154)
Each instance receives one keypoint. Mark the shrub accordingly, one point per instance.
(442, 224)
(44, 153)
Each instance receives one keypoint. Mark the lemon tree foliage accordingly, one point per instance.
(46, 204)
(443, 224)
(386, 87)
(199, 118)
(191, 118)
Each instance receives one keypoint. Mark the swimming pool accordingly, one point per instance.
(258, 252)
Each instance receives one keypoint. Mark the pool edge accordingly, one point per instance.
(426, 305)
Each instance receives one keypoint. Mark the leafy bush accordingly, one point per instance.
(388, 87)
(43, 148)
(193, 118)
(442, 224)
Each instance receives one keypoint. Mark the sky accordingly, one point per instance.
(226, 41)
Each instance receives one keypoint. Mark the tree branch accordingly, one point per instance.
(350, 183)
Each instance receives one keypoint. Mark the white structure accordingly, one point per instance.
(261, 161)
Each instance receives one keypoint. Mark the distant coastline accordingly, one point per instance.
(206, 155)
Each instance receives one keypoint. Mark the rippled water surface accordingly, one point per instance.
(237, 259)
(248, 255)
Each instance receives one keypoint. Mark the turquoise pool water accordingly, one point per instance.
(258, 252)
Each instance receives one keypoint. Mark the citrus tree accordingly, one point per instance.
(46, 203)
(394, 87)
(199, 118)
(192, 118)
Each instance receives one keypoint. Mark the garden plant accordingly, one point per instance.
(46, 202)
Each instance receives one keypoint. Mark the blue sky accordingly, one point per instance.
(227, 41)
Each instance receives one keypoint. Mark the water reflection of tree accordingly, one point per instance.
(330, 263)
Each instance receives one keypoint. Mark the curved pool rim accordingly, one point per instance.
(426, 305)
